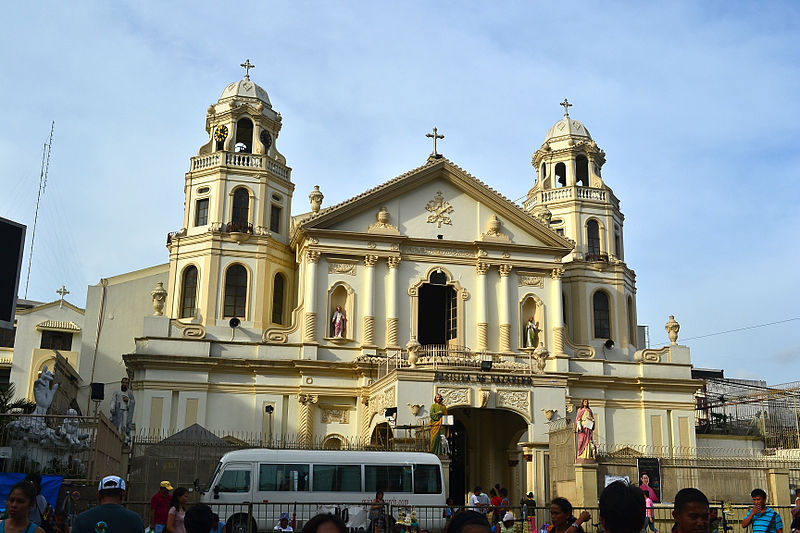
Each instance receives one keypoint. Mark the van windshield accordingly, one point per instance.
(213, 476)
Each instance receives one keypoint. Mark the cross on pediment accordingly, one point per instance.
(435, 135)
(247, 66)
(62, 292)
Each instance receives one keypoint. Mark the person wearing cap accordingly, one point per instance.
(506, 525)
(159, 507)
(109, 516)
(283, 523)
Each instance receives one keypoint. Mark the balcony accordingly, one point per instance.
(596, 257)
(240, 160)
(569, 193)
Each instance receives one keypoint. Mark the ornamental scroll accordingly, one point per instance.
(332, 414)
(453, 397)
(342, 268)
(516, 400)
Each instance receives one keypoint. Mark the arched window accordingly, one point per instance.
(617, 243)
(632, 329)
(244, 135)
(235, 292)
(543, 173)
(189, 293)
(561, 174)
(602, 324)
(241, 207)
(277, 298)
(593, 240)
(582, 171)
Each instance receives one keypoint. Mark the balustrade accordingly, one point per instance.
(240, 160)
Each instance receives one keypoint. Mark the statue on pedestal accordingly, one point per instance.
(122, 405)
(439, 444)
(531, 338)
(339, 322)
(584, 428)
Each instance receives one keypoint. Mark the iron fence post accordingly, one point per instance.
(250, 517)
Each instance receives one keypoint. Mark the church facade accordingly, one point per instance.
(340, 324)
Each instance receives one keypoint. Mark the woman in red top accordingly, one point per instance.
(496, 502)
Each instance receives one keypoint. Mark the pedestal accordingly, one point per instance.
(585, 485)
(778, 483)
(446, 474)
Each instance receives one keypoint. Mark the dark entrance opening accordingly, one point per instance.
(458, 465)
(437, 318)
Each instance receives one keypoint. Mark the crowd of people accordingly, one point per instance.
(623, 508)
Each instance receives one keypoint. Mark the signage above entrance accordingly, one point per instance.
(457, 377)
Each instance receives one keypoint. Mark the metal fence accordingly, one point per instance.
(82, 448)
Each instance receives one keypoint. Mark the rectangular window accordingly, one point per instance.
(427, 479)
(275, 219)
(285, 477)
(234, 481)
(201, 212)
(337, 478)
(56, 340)
(387, 478)
(7, 337)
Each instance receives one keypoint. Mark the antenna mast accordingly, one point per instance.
(42, 186)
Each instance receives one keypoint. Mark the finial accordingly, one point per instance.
(566, 106)
(435, 135)
(316, 198)
(62, 292)
(247, 66)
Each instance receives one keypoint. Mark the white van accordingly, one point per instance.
(303, 483)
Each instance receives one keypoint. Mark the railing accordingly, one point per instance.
(587, 193)
(241, 160)
(171, 235)
(239, 227)
(597, 257)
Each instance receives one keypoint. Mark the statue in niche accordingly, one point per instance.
(531, 338)
(339, 323)
(439, 444)
(122, 405)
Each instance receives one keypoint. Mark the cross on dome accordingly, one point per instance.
(566, 106)
(247, 66)
(435, 135)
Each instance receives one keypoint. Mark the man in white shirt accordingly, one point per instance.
(479, 501)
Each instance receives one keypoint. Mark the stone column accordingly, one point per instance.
(557, 311)
(369, 300)
(481, 320)
(505, 310)
(310, 298)
(305, 428)
(391, 303)
(366, 419)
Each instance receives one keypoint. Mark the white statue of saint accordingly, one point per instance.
(122, 405)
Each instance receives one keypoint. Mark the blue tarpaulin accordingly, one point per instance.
(50, 487)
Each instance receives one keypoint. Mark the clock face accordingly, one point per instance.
(266, 138)
(221, 134)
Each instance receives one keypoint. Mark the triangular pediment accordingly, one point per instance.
(438, 198)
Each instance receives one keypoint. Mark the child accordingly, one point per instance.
(648, 520)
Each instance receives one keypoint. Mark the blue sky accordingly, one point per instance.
(695, 104)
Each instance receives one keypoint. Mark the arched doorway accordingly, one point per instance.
(382, 437)
(438, 316)
(484, 451)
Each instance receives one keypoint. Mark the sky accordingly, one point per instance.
(693, 103)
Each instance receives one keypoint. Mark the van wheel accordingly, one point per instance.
(238, 524)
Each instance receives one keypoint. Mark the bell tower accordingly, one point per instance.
(231, 258)
(571, 196)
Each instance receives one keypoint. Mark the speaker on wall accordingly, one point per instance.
(98, 391)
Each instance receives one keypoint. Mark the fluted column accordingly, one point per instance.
(310, 298)
(369, 300)
(481, 314)
(366, 419)
(504, 313)
(305, 429)
(557, 311)
(391, 303)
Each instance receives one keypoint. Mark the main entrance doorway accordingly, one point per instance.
(484, 451)
(437, 319)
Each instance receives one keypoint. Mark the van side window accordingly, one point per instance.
(287, 477)
(387, 478)
(234, 481)
(427, 479)
(337, 478)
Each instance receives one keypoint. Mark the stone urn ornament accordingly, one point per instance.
(413, 348)
(316, 197)
(540, 355)
(159, 295)
(672, 328)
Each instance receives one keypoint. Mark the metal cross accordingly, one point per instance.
(435, 135)
(247, 66)
(62, 292)
(566, 105)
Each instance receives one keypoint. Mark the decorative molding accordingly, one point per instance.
(415, 408)
(505, 269)
(517, 400)
(334, 414)
(580, 350)
(650, 355)
(190, 331)
(482, 399)
(371, 245)
(439, 209)
(529, 280)
(452, 397)
(439, 252)
(481, 268)
(310, 327)
(308, 399)
(493, 232)
(382, 225)
(312, 256)
(348, 269)
(370, 260)
(557, 273)
(393, 262)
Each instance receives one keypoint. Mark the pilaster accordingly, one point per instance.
(305, 430)
(505, 309)
(481, 320)
(557, 311)
(391, 303)
(369, 300)
(310, 316)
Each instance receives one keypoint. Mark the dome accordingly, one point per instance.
(567, 127)
(245, 89)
